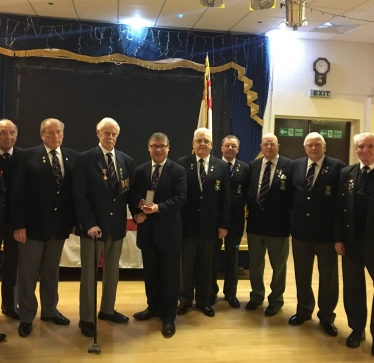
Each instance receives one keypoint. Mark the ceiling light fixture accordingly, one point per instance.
(295, 13)
(212, 3)
(180, 15)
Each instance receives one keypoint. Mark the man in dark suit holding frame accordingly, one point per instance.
(315, 179)
(103, 180)
(205, 217)
(159, 233)
(42, 217)
(269, 222)
(355, 236)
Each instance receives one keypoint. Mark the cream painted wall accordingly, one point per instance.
(351, 81)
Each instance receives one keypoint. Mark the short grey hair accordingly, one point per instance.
(314, 135)
(42, 124)
(230, 137)
(205, 130)
(159, 136)
(357, 137)
(107, 121)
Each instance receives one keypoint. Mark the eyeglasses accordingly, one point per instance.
(161, 147)
(269, 144)
(201, 141)
(232, 146)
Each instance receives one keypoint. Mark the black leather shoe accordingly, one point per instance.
(330, 328)
(271, 311)
(168, 329)
(144, 315)
(207, 310)
(233, 301)
(2, 337)
(59, 319)
(116, 317)
(355, 338)
(252, 305)
(87, 329)
(24, 329)
(182, 309)
(11, 313)
(298, 319)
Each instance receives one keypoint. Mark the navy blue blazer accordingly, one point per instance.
(239, 182)
(314, 212)
(170, 195)
(273, 217)
(38, 204)
(208, 210)
(345, 217)
(96, 202)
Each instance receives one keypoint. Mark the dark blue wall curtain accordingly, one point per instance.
(19, 33)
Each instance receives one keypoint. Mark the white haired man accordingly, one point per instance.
(354, 236)
(315, 179)
(103, 180)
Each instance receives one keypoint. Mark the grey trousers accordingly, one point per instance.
(112, 253)
(38, 259)
(328, 288)
(278, 248)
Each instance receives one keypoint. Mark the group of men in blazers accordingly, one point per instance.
(184, 211)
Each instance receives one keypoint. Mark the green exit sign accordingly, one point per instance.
(290, 131)
(331, 134)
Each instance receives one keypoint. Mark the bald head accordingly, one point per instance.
(8, 135)
(269, 146)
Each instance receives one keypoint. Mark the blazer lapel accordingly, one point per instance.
(44, 159)
(302, 170)
(352, 177)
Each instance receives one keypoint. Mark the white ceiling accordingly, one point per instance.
(236, 16)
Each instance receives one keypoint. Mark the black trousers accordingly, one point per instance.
(9, 269)
(161, 278)
(328, 288)
(196, 270)
(354, 293)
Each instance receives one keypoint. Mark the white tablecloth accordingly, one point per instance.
(130, 258)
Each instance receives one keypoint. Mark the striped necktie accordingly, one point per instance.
(112, 171)
(155, 177)
(231, 169)
(56, 167)
(265, 184)
(202, 171)
(310, 176)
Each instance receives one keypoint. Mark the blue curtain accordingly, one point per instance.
(94, 39)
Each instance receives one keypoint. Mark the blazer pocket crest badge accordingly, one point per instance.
(217, 185)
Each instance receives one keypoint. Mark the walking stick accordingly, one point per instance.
(95, 347)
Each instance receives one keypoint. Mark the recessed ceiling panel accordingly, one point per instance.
(16, 7)
(60, 9)
(169, 15)
(101, 10)
(339, 4)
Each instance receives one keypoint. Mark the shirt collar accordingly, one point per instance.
(162, 164)
(206, 159)
(274, 161)
(371, 166)
(105, 151)
(10, 152)
(233, 161)
(58, 150)
(319, 162)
